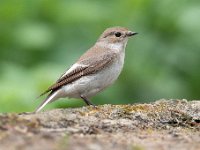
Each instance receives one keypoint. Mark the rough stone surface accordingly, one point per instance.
(162, 125)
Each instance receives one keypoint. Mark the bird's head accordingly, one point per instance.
(116, 35)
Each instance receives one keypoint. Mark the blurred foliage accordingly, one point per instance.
(40, 38)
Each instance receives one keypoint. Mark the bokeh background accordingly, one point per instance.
(40, 39)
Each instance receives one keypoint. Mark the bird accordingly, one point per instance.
(98, 68)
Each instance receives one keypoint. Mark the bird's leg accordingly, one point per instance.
(87, 101)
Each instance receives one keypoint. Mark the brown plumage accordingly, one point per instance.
(95, 70)
(81, 71)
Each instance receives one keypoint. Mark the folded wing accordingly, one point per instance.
(84, 68)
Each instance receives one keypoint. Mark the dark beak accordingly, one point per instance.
(130, 33)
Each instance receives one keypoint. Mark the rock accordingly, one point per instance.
(164, 124)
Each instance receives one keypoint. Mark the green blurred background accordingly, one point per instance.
(40, 39)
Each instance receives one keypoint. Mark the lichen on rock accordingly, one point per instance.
(107, 126)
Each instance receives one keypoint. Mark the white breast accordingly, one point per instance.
(89, 86)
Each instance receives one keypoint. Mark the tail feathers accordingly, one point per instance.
(51, 97)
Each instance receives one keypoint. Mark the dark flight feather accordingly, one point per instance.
(80, 71)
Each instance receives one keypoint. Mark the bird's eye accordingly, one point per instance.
(118, 34)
